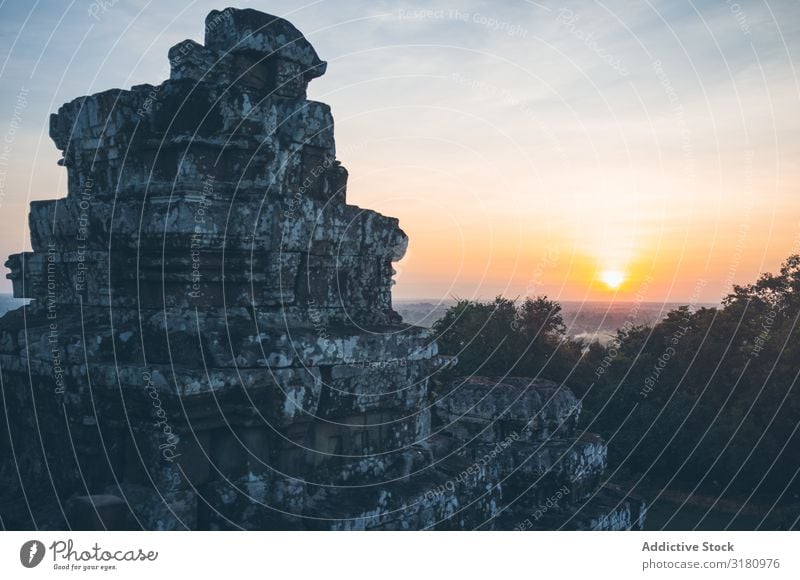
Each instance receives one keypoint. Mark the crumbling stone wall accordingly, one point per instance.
(211, 342)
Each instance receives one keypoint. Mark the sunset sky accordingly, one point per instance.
(580, 150)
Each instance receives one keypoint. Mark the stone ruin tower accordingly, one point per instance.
(211, 342)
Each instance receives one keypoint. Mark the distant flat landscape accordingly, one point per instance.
(8, 302)
(591, 321)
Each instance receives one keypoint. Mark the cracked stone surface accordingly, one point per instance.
(211, 342)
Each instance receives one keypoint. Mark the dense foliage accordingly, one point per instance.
(705, 399)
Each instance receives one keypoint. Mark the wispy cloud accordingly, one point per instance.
(568, 114)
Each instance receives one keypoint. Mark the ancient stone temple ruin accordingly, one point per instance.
(211, 342)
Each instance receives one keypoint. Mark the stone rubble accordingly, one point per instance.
(211, 342)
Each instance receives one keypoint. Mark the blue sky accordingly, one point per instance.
(618, 130)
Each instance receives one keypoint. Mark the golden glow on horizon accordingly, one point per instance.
(493, 207)
(520, 177)
(612, 278)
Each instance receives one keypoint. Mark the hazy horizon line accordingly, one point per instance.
(572, 301)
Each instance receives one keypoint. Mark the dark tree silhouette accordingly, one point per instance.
(706, 399)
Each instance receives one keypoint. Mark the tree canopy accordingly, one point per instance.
(705, 399)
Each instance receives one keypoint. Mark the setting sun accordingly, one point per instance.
(612, 278)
